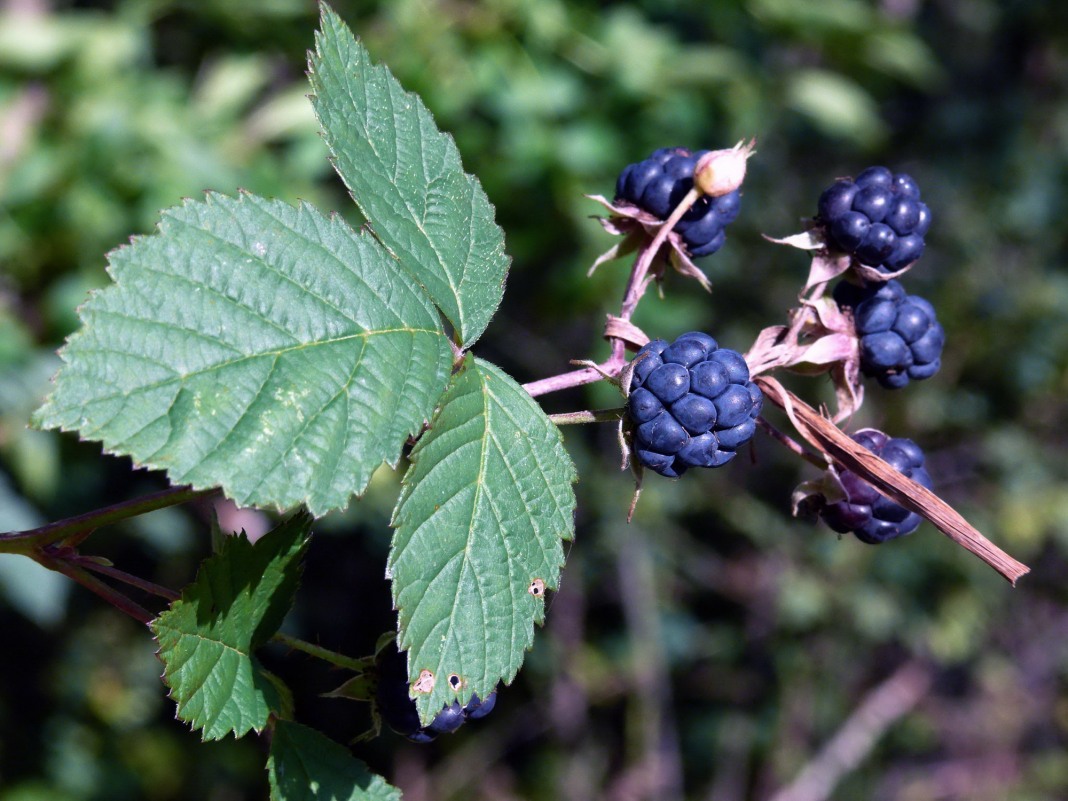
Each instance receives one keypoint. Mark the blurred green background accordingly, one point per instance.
(711, 648)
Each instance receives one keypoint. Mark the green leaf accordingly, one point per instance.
(836, 103)
(480, 520)
(306, 766)
(258, 347)
(407, 179)
(208, 637)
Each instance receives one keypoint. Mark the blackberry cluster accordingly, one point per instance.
(878, 218)
(873, 517)
(660, 182)
(692, 402)
(900, 337)
(398, 709)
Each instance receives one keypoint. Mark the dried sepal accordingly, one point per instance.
(639, 228)
(684, 265)
(825, 268)
(810, 239)
(828, 264)
(870, 275)
(809, 497)
(626, 246)
(625, 330)
(827, 438)
(821, 338)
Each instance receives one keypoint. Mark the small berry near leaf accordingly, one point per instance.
(395, 704)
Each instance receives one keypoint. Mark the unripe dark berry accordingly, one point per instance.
(866, 513)
(397, 708)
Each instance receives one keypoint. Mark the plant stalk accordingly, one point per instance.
(76, 529)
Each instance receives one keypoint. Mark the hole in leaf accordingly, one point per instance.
(537, 588)
(455, 682)
(425, 682)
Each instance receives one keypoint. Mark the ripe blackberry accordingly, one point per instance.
(878, 218)
(868, 514)
(398, 709)
(660, 182)
(900, 337)
(692, 403)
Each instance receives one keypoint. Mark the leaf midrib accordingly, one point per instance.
(235, 362)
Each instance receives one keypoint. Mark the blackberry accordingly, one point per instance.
(868, 514)
(900, 337)
(692, 403)
(660, 182)
(878, 218)
(398, 709)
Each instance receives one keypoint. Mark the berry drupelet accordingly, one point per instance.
(900, 336)
(657, 185)
(871, 516)
(692, 404)
(878, 218)
(398, 709)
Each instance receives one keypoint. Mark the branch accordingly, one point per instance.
(791, 444)
(882, 707)
(619, 330)
(827, 438)
(81, 526)
(93, 584)
(90, 563)
(575, 378)
(325, 654)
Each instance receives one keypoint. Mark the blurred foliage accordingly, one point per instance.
(710, 648)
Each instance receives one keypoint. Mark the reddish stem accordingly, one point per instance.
(792, 444)
(75, 529)
(121, 575)
(636, 286)
(95, 585)
(575, 378)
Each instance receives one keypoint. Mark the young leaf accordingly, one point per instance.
(307, 766)
(254, 346)
(407, 179)
(206, 639)
(479, 524)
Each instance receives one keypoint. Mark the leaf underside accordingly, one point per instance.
(256, 346)
(407, 179)
(207, 638)
(484, 507)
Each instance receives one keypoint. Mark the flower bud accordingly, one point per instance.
(722, 171)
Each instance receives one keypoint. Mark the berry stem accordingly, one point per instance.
(325, 654)
(792, 444)
(576, 378)
(635, 289)
(826, 437)
(90, 563)
(638, 282)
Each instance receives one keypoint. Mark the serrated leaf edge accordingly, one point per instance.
(210, 197)
(471, 180)
(551, 583)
